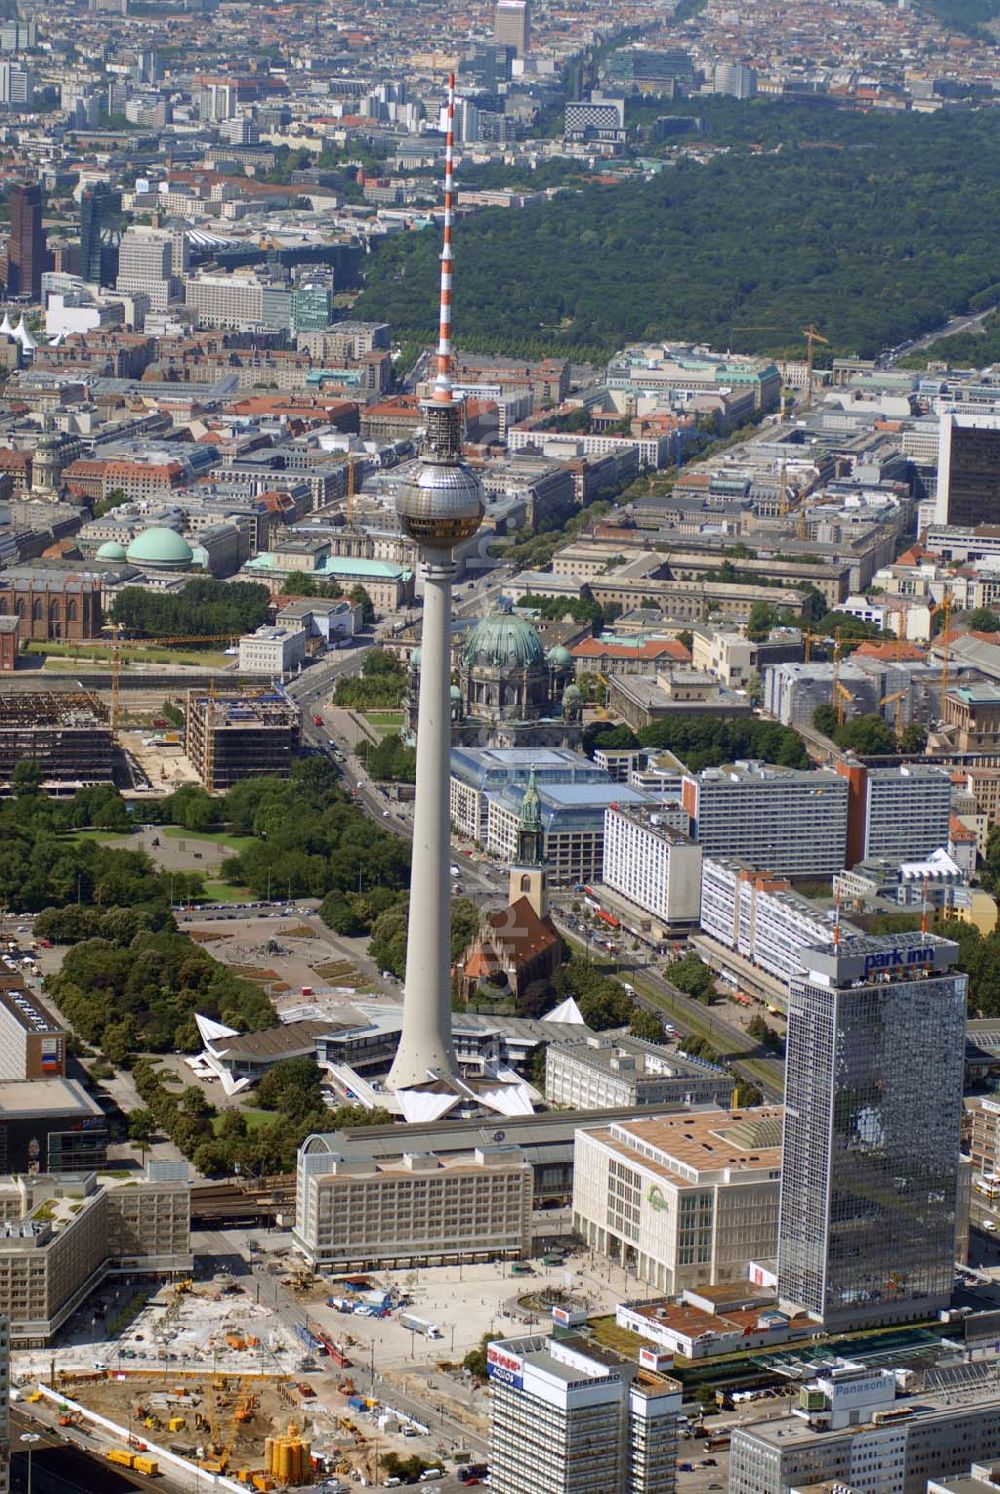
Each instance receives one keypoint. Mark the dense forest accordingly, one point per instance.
(861, 224)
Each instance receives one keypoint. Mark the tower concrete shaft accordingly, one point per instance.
(425, 1045)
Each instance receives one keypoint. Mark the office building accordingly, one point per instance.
(512, 25)
(897, 814)
(968, 475)
(32, 1042)
(791, 821)
(572, 819)
(852, 1431)
(144, 259)
(757, 926)
(734, 79)
(479, 772)
(272, 651)
(651, 864)
(240, 302)
(100, 233)
(27, 255)
(61, 1236)
(17, 85)
(682, 1200)
(50, 1125)
(231, 737)
(873, 1095)
(572, 1418)
(413, 1209)
(602, 1073)
(597, 118)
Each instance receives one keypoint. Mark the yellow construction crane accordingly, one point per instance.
(812, 335)
(897, 696)
(835, 676)
(116, 658)
(841, 695)
(944, 607)
(783, 491)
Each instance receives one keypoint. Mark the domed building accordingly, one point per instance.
(111, 550)
(160, 549)
(508, 692)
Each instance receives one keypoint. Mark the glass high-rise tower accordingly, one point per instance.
(873, 1103)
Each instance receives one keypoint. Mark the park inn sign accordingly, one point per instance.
(898, 959)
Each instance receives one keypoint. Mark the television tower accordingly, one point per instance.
(439, 509)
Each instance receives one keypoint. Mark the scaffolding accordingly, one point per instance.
(229, 737)
(67, 733)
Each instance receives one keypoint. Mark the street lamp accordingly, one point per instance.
(30, 1438)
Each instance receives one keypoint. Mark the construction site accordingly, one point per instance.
(229, 737)
(67, 733)
(206, 1380)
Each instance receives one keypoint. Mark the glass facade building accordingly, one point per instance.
(873, 1100)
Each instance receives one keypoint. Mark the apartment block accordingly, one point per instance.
(572, 1418)
(60, 1237)
(791, 821)
(412, 1209)
(758, 918)
(682, 1200)
(897, 814)
(651, 864)
(600, 1073)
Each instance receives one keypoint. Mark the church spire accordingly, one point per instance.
(527, 874)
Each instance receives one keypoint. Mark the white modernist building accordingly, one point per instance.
(792, 821)
(652, 864)
(682, 1200)
(570, 1418)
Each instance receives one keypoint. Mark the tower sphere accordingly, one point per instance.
(441, 506)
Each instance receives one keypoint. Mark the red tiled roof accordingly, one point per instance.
(653, 648)
(891, 651)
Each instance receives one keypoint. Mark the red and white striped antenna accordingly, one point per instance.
(442, 384)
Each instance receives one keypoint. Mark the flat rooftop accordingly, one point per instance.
(683, 1149)
(28, 1011)
(46, 709)
(37, 1099)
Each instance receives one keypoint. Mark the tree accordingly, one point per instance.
(693, 976)
(913, 737)
(646, 1025)
(868, 736)
(141, 1125)
(825, 719)
(388, 941)
(983, 620)
(293, 1086)
(26, 778)
(358, 594)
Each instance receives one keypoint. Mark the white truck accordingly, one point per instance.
(420, 1325)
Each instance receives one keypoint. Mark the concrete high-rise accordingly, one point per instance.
(27, 257)
(512, 24)
(968, 474)
(572, 1418)
(439, 509)
(873, 1108)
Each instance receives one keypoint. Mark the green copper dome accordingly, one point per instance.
(503, 641)
(559, 657)
(160, 546)
(111, 550)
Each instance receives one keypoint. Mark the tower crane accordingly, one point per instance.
(812, 335)
(841, 696)
(116, 657)
(897, 696)
(944, 607)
